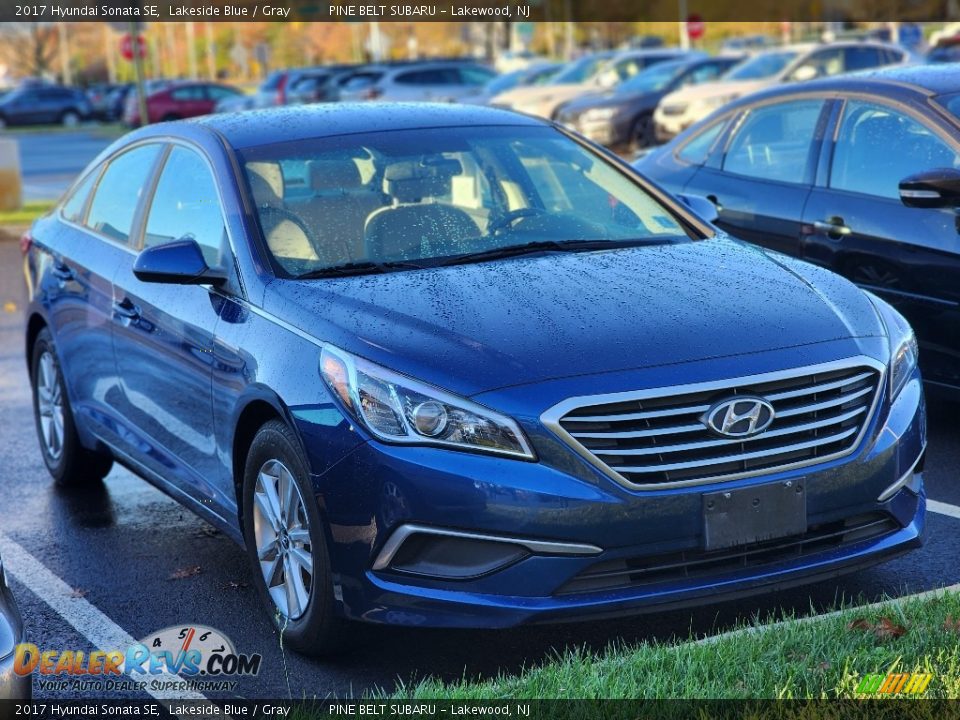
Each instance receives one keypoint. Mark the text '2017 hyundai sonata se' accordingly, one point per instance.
(450, 366)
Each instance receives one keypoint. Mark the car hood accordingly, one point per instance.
(542, 93)
(721, 88)
(473, 328)
(611, 99)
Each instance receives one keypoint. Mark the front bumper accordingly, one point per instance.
(379, 489)
(12, 685)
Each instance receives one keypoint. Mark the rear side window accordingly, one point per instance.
(696, 151)
(186, 205)
(75, 204)
(189, 93)
(437, 76)
(119, 191)
(861, 58)
(774, 142)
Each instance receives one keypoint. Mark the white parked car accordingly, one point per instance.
(792, 63)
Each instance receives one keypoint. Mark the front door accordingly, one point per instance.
(857, 226)
(766, 174)
(164, 336)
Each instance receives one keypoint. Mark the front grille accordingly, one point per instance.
(672, 110)
(698, 564)
(661, 440)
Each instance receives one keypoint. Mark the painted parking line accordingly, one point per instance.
(943, 508)
(85, 618)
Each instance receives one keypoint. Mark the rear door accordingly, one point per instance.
(766, 172)
(855, 224)
(163, 334)
(93, 240)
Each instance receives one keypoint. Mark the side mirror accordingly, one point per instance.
(701, 207)
(938, 188)
(178, 263)
(804, 73)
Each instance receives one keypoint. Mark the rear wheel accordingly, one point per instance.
(286, 543)
(66, 459)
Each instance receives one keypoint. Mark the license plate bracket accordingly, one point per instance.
(755, 514)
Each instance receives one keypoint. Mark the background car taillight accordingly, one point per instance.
(26, 240)
(372, 93)
(282, 91)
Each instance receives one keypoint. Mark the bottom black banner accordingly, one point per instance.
(899, 709)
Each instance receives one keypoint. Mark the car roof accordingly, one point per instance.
(921, 80)
(305, 122)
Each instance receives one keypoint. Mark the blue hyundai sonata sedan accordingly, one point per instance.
(450, 366)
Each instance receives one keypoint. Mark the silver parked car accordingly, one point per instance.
(429, 82)
(12, 686)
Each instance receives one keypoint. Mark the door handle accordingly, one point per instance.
(128, 313)
(833, 227)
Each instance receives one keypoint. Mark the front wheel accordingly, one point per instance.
(70, 119)
(641, 135)
(286, 544)
(66, 459)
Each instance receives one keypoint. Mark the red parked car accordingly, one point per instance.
(177, 102)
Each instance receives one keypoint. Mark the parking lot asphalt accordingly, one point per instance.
(128, 560)
(49, 161)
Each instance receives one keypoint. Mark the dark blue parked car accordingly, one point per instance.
(448, 366)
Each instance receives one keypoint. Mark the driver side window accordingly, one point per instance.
(862, 160)
(186, 205)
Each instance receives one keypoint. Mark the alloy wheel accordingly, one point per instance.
(50, 406)
(281, 527)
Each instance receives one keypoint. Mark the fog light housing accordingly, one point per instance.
(453, 558)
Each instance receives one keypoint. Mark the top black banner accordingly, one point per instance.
(118, 11)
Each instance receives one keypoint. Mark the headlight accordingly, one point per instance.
(604, 113)
(904, 352)
(399, 409)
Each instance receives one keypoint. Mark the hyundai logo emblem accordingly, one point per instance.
(739, 417)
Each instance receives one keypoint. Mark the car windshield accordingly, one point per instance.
(762, 66)
(651, 80)
(580, 70)
(413, 198)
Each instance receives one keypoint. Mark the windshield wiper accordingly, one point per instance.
(358, 268)
(555, 245)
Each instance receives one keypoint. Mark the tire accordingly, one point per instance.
(641, 134)
(68, 462)
(300, 593)
(69, 119)
(3, 122)
(169, 117)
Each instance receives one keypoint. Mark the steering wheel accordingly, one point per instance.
(507, 219)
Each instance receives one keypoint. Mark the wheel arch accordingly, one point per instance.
(260, 407)
(35, 324)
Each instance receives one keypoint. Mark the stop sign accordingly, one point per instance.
(695, 27)
(130, 45)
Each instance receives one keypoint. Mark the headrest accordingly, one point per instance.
(334, 174)
(266, 182)
(413, 181)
